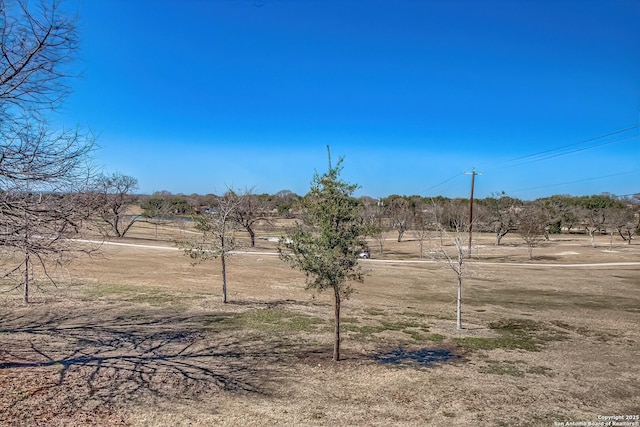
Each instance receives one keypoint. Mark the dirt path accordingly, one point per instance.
(389, 261)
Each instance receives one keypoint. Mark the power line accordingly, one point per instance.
(576, 182)
(565, 149)
(443, 182)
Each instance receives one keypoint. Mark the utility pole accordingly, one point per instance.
(473, 174)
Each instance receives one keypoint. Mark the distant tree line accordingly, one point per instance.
(499, 213)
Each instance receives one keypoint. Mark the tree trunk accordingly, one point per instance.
(459, 308)
(224, 278)
(336, 344)
(26, 278)
(499, 235)
(252, 234)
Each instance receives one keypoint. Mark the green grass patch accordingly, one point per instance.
(136, 294)
(515, 334)
(415, 330)
(271, 320)
(436, 337)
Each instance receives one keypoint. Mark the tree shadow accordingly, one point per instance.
(87, 362)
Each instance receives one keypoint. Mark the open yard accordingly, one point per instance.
(137, 336)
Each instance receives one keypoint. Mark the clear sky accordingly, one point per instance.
(194, 96)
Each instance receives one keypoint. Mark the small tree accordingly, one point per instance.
(421, 225)
(455, 262)
(373, 216)
(531, 227)
(251, 209)
(326, 247)
(114, 197)
(217, 239)
(399, 211)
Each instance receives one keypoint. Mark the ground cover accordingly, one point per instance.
(138, 336)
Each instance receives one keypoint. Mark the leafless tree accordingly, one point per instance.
(531, 226)
(114, 197)
(37, 45)
(43, 178)
(252, 209)
(455, 261)
(217, 239)
(374, 218)
(620, 220)
(43, 173)
(593, 221)
(422, 224)
(502, 212)
(399, 212)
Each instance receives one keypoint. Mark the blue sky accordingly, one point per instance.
(195, 96)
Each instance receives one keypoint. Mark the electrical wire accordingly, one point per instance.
(576, 182)
(442, 183)
(565, 149)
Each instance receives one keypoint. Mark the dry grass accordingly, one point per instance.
(139, 337)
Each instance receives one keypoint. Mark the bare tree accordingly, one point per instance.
(374, 219)
(531, 227)
(43, 173)
(421, 224)
(398, 209)
(593, 212)
(114, 198)
(251, 209)
(437, 212)
(620, 220)
(502, 213)
(37, 44)
(593, 221)
(37, 229)
(217, 239)
(455, 262)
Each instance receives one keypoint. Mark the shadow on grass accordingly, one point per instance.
(82, 362)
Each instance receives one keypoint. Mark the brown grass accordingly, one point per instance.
(139, 337)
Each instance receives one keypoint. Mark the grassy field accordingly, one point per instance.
(137, 336)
